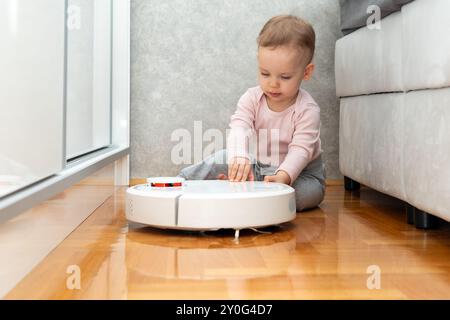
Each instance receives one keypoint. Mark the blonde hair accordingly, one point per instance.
(288, 30)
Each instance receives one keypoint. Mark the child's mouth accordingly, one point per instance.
(274, 94)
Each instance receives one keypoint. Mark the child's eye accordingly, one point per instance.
(285, 78)
(264, 74)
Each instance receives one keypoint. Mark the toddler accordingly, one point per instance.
(284, 118)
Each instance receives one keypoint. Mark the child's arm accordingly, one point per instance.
(302, 147)
(242, 126)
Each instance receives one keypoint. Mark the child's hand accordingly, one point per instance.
(281, 177)
(240, 169)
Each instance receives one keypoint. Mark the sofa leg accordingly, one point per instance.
(424, 220)
(410, 213)
(351, 185)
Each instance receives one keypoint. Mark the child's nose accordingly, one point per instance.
(273, 83)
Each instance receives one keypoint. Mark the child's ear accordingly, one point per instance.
(309, 70)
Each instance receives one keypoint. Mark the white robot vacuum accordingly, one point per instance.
(202, 205)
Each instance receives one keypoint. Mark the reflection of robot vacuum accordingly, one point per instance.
(183, 256)
(209, 204)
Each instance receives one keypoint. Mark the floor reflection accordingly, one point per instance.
(202, 256)
(323, 253)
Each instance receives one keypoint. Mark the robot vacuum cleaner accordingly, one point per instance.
(202, 205)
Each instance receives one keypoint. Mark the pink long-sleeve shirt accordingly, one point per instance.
(296, 129)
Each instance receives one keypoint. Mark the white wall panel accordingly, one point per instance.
(31, 91)
(88, 76)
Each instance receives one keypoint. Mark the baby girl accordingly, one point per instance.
(284, 118)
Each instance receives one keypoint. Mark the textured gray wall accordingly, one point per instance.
(191, 60)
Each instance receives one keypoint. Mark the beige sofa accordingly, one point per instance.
(394, 85)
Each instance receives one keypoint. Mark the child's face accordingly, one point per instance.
(281, 71)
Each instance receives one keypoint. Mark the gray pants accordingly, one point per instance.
(309, 186)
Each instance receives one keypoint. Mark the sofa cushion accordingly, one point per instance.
(367, 61)
(426, 151)
(426, 45)
(409, 52)
(398, 144)
(371, 139)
